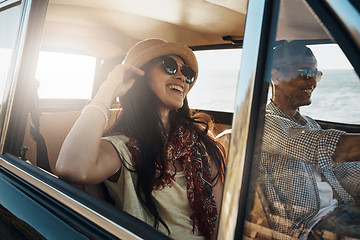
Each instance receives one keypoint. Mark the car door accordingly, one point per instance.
(44, 206)
(330, 29)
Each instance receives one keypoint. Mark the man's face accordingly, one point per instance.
(293, 88)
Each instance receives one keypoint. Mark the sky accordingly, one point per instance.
(51, 68)
(329, 56)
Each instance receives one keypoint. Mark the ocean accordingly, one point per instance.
(336, 97)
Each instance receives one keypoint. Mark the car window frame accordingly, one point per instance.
(253, 112)
(259, 38)
(13, 67)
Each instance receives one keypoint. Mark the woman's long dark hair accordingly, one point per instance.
(140, 113)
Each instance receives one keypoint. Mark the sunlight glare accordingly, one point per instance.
(65, 76)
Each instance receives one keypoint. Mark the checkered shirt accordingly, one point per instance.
(291, 145)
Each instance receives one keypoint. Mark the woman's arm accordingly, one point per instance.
(84, 158)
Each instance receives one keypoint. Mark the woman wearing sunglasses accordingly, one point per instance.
(158, 160)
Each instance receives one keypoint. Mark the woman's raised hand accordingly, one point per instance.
(84, 158)
(118, 82)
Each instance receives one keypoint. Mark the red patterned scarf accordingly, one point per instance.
(184, 145)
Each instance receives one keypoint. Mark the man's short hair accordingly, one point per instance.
(292, 53)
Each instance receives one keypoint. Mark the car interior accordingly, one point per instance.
(103, 31)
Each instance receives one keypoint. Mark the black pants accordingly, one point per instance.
(344, 221)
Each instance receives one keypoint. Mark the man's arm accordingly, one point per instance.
(348, 148)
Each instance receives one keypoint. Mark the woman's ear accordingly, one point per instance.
(275, 76)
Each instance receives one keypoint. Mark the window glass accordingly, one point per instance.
(297, 183)
(337, 95)
(215, 87)
(65, 76)
(9, 27)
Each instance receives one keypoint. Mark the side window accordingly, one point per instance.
(215, 88)
(10, 43)
(296, 183)
(9, 25)
(337, 95)
(65, 76)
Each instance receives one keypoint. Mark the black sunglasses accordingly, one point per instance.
(307, 73)
(171, 67)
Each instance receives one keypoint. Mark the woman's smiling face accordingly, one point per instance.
(170, 89)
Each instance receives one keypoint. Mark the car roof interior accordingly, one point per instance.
(108, 28)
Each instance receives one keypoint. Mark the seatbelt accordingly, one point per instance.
(42, 159)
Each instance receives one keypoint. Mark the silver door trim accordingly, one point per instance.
(71, 203)
(241, 121)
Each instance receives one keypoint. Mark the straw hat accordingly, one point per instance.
(147, 50)
(292, 53)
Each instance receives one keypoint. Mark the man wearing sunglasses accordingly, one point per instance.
(310, 176)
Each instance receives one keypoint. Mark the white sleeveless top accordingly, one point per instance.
(171, 202)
